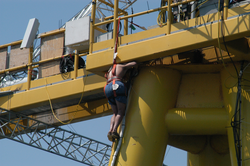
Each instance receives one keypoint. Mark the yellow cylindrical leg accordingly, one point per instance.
(153, 93)
(210, 157)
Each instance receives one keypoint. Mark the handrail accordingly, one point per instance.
(226, 2)
(61, 30)
(11, 44)
(144, 12)
(36, 63)
(125, 17)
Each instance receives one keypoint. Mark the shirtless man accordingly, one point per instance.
(115, 91)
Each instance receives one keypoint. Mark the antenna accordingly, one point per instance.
(30, 33)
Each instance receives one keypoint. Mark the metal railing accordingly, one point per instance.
(117, 13)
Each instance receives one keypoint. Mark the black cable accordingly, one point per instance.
(235, 123)
(223, 37)
(236, 120)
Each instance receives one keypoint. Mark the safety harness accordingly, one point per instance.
(113, 79)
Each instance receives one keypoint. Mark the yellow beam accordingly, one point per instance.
(75, 113)
(11, 44)
(50, 80)
(195, 38)
(100, 29)
(84, 111)
(197, 121)
(45, 34)
(238, 49)
(59, 92)
(116, 5)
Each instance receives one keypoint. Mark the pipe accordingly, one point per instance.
(76, 64)
(169, 17)
(92, 23)
(196, 121)
(29, 68)
(116, 3)
(62, 30)
(11, 44)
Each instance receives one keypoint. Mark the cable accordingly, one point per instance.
(223, 37)
(160, 18)
(219, 42)
(199, 6)
(143, 28)
(52, 110)
(238, 98)
(235, 121)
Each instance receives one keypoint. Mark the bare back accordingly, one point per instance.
(121, 70)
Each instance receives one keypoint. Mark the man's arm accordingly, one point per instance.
(130, 65)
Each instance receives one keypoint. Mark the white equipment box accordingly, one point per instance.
(77, 33)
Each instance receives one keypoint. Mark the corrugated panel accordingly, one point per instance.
(18, 56)
(51, 46)
(3, 56)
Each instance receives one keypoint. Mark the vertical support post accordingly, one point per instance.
(169, 17)
(219, 22)
(116, 3)
(29, 68)
(92, 24)
(76, 64)
(226, 3)
(192, 9)
(126, 25)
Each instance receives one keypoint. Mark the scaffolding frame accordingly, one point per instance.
(23, 129)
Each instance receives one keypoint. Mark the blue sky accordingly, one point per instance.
(14, 17)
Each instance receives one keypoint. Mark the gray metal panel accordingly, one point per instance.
(30, 33)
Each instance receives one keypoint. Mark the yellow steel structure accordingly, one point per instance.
(173, 101)
(146, 135)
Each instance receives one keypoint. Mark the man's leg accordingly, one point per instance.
(121, 112)
(112, 121)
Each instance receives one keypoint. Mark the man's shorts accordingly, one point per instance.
(120, 92)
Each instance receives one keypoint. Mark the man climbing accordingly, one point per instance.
(116, 92)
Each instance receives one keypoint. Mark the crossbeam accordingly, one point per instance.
(53, 139)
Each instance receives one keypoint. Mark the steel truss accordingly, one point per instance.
(53, 139)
